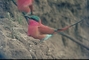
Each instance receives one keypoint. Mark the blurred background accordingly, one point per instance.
(72, 44)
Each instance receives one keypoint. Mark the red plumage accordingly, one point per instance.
(25, 5)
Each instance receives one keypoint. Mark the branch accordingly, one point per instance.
(14, 2)
(74, 40)
(78, 22)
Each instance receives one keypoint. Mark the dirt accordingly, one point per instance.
(15, 44)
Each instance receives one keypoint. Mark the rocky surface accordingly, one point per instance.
(14, 42)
